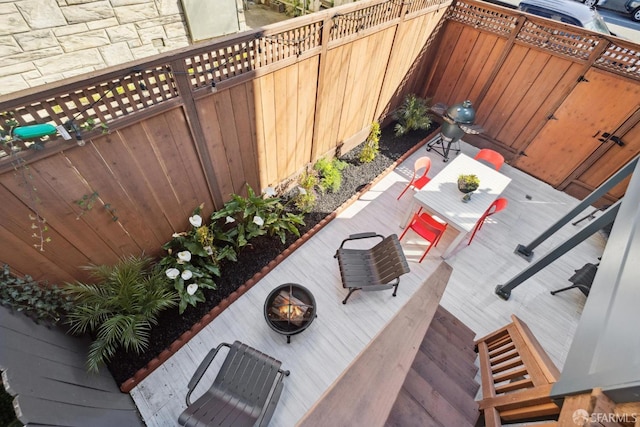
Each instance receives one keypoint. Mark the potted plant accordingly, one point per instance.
(467, 184)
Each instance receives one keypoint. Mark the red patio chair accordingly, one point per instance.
(426, 227)
(419, 181)
(496, 206)
(490, 158)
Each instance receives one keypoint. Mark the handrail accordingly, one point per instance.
(516, 375)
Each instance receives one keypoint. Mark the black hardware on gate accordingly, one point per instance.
(582, 79)
(606, 136)
(551, 117)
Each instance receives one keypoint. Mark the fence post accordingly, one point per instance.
(183, 83)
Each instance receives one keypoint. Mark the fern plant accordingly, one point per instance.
(330, 174)
(120, 308)
(371, 146)
(412, 115)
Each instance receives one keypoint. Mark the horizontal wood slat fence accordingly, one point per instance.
(197, 124)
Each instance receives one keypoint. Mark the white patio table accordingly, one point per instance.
(442, 198)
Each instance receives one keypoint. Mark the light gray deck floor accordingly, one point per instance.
(317, 356)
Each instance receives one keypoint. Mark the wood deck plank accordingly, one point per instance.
(319, 355)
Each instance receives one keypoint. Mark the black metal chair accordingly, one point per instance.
(244, 393)
(581, 279)
(373, 269)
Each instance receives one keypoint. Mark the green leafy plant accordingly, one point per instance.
(306, 198)
(40, 301)
(193, 260)
(371, 146)
(90, 124)
(412, 115)
(468, 183)
(24, 178)
(293, 9)
(245, 218)
(330, 174)
(120, 308)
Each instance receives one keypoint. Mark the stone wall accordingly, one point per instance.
(42, 41)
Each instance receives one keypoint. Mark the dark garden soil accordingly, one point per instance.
(263, 250)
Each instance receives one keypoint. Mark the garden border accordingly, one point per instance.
(142, 373)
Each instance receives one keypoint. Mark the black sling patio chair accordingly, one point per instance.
(581, 279)
(244, 393)
(373, 269)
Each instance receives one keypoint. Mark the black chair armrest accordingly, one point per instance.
(359, 236)
(197, 376)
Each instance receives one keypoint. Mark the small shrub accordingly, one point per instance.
(371, 146)
(330, 174)
(120, 308)
(412, 115)
(257, 215)
(306, 198)
(39, 301)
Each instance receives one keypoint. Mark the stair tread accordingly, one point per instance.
(407, 411)
(445, 340)
(461, 396)
(440, 387)
(453, 336)
(452, 322)
(447, 357)
(436, 404)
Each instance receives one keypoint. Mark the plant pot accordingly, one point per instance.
(466, 187)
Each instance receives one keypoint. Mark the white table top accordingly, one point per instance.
(441, 195)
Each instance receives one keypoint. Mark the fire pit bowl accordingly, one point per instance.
(289, 309)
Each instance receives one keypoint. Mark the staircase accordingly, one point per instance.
(440, 389)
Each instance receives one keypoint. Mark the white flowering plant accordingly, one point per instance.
(193, 260)
(244, 218)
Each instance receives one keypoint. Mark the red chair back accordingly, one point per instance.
(418, 182)
(490, 157)
(496, 206)
(426, 227)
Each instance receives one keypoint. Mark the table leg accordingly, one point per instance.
(454, 244)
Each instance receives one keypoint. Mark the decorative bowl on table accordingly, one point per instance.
(468, 184)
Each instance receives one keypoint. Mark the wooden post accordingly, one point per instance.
(181, 77)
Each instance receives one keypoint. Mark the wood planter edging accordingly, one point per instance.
(142, 373)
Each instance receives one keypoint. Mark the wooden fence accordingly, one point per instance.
(563, 104)
(194, 126)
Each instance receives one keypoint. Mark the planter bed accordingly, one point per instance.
(174, 330)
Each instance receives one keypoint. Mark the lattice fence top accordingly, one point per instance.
(571, 44)
(495, 21)
(261, 50)
(418, 5)
(95, 104)
(620, 59)
(351, 23)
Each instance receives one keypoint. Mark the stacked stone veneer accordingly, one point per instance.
(47, 40)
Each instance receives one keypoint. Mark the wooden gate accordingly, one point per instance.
(582, 130)
(618, 146)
